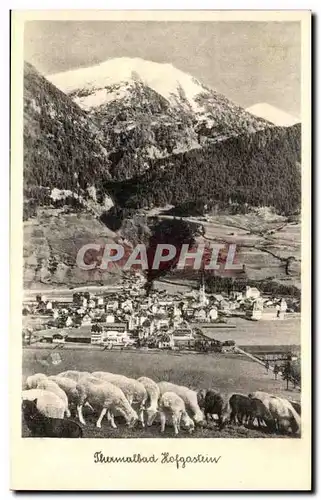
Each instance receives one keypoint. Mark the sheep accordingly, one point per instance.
(134, 391)
(283, 413)
(153, 393)
(42, 426)
(240, 408)
(171, 405)
(287, 419)
(48, 403)
(188, 396)
(50, 385)
(259, 412)
(296, 406)
(201, 397)
(216, 403)
(73, 374)
(108, 396)
(33, 380)
(70, 387)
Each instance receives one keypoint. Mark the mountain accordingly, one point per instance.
(148, 134)
(63, 148)
(149, 110)
(273, 114)
(261, 169)
(137, 134)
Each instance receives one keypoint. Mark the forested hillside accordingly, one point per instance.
(62, 146)
(261, 169)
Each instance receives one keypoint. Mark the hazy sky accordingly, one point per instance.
(249, 62)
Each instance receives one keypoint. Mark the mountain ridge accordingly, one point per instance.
(160, 142)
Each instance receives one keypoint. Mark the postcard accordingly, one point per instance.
(160, 250)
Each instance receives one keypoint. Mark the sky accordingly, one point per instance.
(249, 62)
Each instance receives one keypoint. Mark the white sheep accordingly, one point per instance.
(285, 416)
(188, 396)
(107, 396)
(134, 391)
(172, 406)
(50, 385)
(153, 394)
(73, 374)
(48, 403)
(69, 386)
(33, 380)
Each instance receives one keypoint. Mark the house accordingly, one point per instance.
(112, 306)
(212, 314)
(91, 304)
(96, 334)
(133, 322)
(55, 313)
(127, 305)
(49, 305)
(189, 313)
(85, 320)
(252, 293)
(69, 321)
(166, 342)
(110, 318)
(224, 305)
(200, 315)
(148, 327)
(218, 298)
(99, 301)
(254, 312)
(236, 295)
(161, 321)
(114, 331)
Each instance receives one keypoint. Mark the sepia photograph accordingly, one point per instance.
(162, 213)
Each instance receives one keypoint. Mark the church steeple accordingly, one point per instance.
(202, 295)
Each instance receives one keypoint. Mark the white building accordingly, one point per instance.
(252, 293)
(212, 314)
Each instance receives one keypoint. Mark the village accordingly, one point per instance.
(128, 317)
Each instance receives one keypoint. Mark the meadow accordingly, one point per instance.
(227, 372)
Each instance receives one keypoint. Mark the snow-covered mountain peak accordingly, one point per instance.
(168, 81)
(272, 114)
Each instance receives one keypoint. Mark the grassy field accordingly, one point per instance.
(227, 372)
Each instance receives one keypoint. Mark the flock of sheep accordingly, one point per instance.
(46, 401)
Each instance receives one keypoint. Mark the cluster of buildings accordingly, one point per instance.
(120, 317)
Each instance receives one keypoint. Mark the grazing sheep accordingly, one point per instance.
(50, 385)
(42, 426)
(48, 403)
(171, 405)
(259, 412)
(33, 380)
(296, 406)
(153, 394)
(201, 397)
(134, 391)
(285, 417)
(240, 408)
(216, 403)
(188, 396)
(106, 396)
(73, 374)
(69, 386)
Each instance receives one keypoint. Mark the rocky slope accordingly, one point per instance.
(63, 148)
(149, 110)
